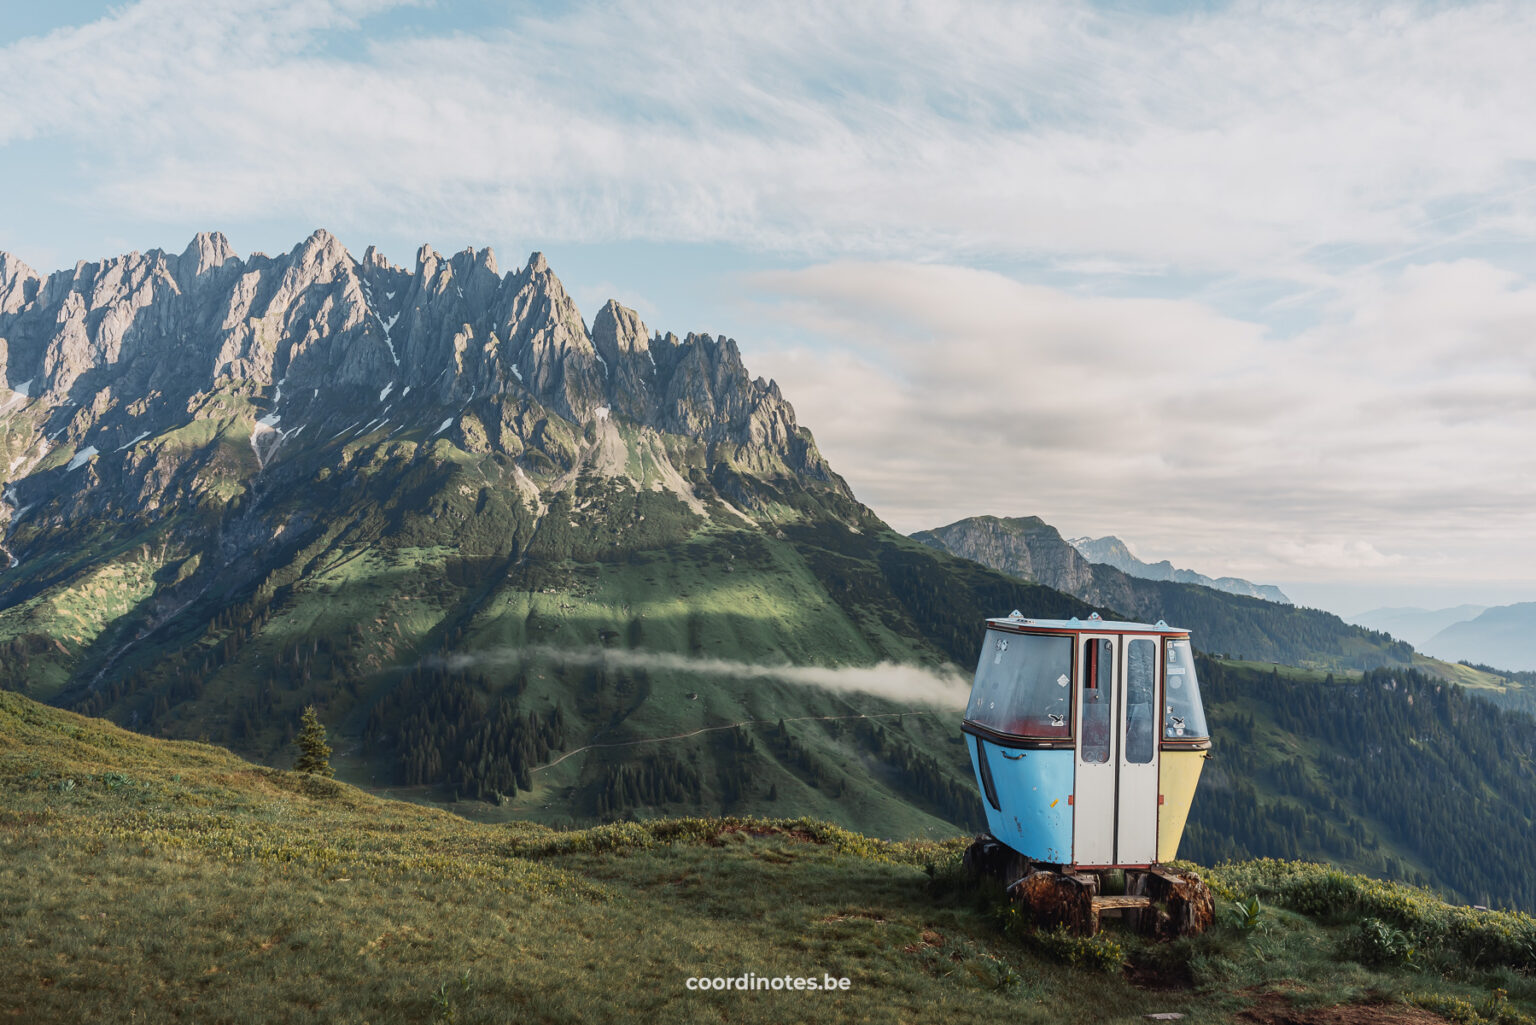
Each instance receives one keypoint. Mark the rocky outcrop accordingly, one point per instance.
(1024, 546)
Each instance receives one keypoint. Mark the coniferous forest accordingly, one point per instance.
(1396, 774)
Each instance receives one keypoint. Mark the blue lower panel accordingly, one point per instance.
(1033, 788)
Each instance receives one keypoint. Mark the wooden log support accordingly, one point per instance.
(987, 857)
(1119, 903)
(1182, 905)
(1161, 904)
(1052, 899)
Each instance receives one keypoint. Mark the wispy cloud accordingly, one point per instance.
(1256, 139)
(888, 680)
(1365, 163)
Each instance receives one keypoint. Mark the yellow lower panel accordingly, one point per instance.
(1177, 776)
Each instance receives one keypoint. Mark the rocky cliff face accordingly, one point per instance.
(154, 380)
(1024, 546)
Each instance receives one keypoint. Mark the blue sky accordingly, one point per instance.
(1246, 284)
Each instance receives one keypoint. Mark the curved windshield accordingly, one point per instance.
(1183, 715)
(1023, 685)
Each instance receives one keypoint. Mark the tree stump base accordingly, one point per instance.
(1053, 899)
(1182, 905)
(1157, 903)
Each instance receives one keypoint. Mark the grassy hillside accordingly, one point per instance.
(172, 881)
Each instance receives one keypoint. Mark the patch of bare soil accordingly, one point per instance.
(1277, 1009)
(1160, 978)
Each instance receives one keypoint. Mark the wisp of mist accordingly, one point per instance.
(889, 680)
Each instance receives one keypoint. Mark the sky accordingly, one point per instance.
(1248, 285)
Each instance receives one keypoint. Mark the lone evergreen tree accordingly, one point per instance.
(314, 752)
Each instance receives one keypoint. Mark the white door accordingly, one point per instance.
(1114, 820)
(1093, 813)
(1137, 787)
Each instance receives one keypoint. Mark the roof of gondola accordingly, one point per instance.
(1093, 624)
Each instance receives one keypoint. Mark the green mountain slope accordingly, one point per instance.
(371, 630)
(154, 880)
(1237, 625)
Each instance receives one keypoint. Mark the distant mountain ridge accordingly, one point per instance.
(1503, 636)
(1238, 625)
(1111, 551)
(1414, 625)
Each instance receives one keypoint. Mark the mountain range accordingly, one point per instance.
(540, 569)
(527, 565)
(1241, 626)
(1112, 551)
(465, 524)
(1415, 625)
(1502, 636)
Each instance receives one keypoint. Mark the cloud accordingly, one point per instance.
(888, 680)
(1263, 140)
(1387, 438)
(1331, 555)
(1355, 167)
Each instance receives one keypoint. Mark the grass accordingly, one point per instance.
(1455, 672)
(167, 881)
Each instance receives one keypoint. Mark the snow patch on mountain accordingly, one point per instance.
(82, 457)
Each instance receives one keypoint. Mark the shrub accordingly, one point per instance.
(1481, 938)
(1375, 943)
(1091, 953)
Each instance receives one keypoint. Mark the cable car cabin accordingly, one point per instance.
(1088, 738)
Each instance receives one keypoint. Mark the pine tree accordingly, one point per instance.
(314, 752)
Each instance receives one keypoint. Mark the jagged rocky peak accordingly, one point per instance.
(476, 279)
(619, 336)
(617, 331)
(350, 336)
(546, 340)
(206, 251)
(18, 283)
(323, 252)
(374, 259)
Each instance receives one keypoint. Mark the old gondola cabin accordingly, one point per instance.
(1087, 737)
